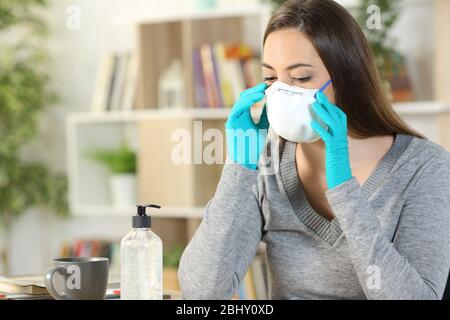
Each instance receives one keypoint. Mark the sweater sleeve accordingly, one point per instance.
(216, 259)
(416, 264)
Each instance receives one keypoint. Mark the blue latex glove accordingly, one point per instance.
(246, 139)
(337, 162)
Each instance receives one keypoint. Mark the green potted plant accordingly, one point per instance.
(390, 63)
(24, 95)
(171, 261)
(121, 164)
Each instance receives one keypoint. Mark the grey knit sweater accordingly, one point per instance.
(390, 238)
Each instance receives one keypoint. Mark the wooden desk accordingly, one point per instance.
(113, 285)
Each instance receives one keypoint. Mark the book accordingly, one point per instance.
(78, 248)
(112, 82)
(234, 72)
(116, 82)
(119, 82)
(24, 296)
(224, 78)
(199, 84)
(18, 288)
(103, 83)
(93, 248)
(216, 76)
(23, 285)
(222, 71)
(208, 76)
(129, 91)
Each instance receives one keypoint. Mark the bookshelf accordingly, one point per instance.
(182, 190)
(177, 36)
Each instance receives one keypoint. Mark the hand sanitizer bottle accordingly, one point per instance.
(141, 260)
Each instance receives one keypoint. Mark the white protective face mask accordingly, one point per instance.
(289, 111)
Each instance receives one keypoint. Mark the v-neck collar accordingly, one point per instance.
(330, 230)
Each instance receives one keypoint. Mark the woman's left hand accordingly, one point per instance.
(337, 162)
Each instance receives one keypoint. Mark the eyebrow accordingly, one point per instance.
(293, 66)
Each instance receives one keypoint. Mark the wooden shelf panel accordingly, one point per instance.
(415, 107)
(176, 172)
(165, 212)
(154, 114)
(218, 13)
(421, 107)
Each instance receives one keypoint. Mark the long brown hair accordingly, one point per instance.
(344, 50)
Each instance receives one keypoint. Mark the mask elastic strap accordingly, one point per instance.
(325, 86)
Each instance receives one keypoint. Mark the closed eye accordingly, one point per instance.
(269, 78)
(302, 80)
(306, 79)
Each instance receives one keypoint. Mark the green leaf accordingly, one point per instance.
(172, 256)
(121, 160)
(24, 94)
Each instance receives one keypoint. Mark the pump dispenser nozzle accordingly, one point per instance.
(141, 220)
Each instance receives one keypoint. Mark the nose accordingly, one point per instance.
(285, 79)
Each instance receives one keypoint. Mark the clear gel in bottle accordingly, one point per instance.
(141, 260)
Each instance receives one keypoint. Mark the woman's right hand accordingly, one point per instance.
(245, 138)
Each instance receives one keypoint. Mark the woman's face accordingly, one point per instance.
(290, 57)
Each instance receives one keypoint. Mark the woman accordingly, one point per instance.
(362, 212)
